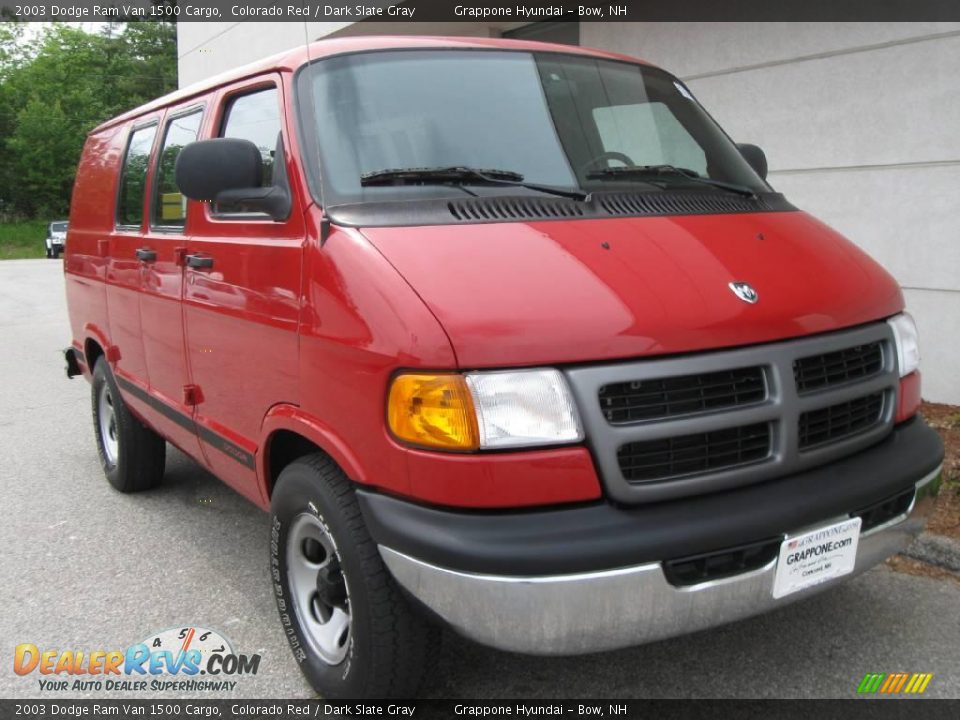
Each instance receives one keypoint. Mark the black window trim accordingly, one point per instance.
(226, 103)
(200, 107)
(134, 128)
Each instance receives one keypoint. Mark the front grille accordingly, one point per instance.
(840, 421)
(657, 398)
(886, 510)
(696, 569)
(693, 454)
(835, 368)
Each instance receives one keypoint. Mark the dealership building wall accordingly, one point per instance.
(859, 122)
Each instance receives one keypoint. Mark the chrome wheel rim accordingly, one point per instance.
(318, 588)
(107, 416)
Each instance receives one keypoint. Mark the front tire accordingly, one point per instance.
(351, 630)
(132, 455)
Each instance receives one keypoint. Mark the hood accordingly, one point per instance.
(512, 294)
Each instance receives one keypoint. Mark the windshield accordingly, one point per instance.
(556, 120)
(58, 227)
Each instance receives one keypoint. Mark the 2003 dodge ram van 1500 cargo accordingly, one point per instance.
(506, 335)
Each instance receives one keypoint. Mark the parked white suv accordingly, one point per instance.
(56, 238)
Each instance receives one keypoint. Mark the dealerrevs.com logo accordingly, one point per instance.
(188, 659)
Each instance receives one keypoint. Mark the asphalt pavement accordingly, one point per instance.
(86, 568)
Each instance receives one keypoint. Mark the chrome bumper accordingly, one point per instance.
(589, 612)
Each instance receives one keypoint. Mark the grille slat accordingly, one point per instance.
(651, 460)
(658, 398)
(834, 368)
(840, 421)
(720, 564)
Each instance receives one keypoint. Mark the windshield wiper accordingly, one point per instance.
(631, 172)
(459, 175)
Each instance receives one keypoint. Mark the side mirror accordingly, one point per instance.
(229, 170)
(755, 157)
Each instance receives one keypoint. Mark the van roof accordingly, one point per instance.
(292, 59)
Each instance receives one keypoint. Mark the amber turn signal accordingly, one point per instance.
(434, 411)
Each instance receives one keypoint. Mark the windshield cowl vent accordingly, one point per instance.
(527, 208)
(534, 208)
(668, 203)
(637, 204)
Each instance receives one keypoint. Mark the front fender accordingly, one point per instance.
(294, 419)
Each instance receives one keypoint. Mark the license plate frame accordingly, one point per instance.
(816, 556)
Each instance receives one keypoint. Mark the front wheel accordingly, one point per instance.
(351, 630)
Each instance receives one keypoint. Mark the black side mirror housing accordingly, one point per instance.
(206, 168)
(755, 157)
(230, 170)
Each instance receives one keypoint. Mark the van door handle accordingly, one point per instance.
(146, 255)
(199, 261)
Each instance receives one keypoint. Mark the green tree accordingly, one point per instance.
(56, 89)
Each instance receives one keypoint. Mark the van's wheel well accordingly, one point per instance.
(285, 447)
(91, 353)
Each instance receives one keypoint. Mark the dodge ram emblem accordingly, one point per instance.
(745, 292)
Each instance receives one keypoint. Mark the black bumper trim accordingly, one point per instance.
(602, 536)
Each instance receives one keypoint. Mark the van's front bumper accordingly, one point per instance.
(558, 582)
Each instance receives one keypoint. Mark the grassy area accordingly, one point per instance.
(23, 239)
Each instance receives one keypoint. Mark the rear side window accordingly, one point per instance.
(133, 179)
(254, 117)
(169, 206)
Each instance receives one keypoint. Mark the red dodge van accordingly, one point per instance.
(505, 335)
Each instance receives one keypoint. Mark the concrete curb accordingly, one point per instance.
(936, 550)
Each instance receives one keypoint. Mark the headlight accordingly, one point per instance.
(524, 408)
(489, 410)
(908, 343)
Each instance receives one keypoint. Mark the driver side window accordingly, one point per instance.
(254, 117)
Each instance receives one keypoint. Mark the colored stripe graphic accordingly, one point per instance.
(885, 688)
(894, 683)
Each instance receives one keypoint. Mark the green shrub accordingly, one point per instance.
(24, 239)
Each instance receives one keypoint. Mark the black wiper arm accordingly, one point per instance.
(630, 172)
(460, 175)
(390, 176)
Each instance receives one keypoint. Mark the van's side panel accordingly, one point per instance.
(241, 319)
(91, 223)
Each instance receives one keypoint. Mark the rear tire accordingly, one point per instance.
(351, 630)
(132, 455)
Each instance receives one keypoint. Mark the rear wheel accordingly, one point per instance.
(132, 455)
(350, 628)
